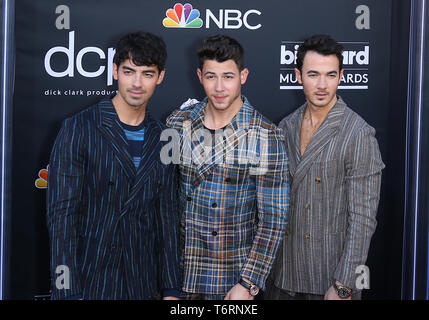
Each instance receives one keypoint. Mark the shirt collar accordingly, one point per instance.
(240, 121)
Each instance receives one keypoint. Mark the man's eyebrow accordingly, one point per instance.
(128, 68)
(132, 69)
(330, 72)
(224, 73)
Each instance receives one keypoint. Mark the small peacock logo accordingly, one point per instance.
(182, 16)
(42, 181)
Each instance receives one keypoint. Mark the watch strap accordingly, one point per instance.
(253, 289)
(245, 284)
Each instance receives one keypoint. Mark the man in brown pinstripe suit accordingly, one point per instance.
(335, 167)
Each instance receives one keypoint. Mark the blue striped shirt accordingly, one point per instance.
(135, 136)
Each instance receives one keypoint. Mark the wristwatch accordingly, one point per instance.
(342, 291)
(253, 289)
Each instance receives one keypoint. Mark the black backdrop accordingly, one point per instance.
(270, 29)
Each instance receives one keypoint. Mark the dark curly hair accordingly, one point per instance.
(221, 48)
(142, 48)
(322, 44)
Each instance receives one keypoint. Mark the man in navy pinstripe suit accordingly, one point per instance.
(111, 204)
(335, 167)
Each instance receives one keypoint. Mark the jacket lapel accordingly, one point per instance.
(109, 126)
(150, 152)
(292, 132)
(150, 156)
(235, 131)
(327, 130)
(197, 147)
(233, 137)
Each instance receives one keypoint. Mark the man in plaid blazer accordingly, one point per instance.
(234, 182)
(335, 167)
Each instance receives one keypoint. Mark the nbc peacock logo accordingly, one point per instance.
(182, 16)
(42, 181)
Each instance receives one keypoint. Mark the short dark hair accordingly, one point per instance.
(142, 48)
(221, 48)
(322, 44)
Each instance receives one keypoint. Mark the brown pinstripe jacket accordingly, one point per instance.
(335, 189)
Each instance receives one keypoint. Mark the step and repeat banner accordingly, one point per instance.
(64, 64)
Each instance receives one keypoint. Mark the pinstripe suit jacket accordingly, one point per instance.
(334, 199)
(114, 226)
(234, 217)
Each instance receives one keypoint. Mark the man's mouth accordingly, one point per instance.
(321, 94)
(136, 93)
(220, 98)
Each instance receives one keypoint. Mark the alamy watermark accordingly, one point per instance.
(224, 147)
(362, 280)
(63, 280)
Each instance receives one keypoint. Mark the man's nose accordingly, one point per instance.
(219, 85)
(137, 80)
(321, 84)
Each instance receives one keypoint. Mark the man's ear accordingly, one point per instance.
(243, 75)
(200, 75)
(115, 71)
(341, 75)
(161, 77)
(298, 75)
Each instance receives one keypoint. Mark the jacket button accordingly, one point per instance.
(228, 180)
(113, 246)
(214, 205)
(111, 183)
(307, 236)
(317, 179)
(214, 233)
(189, 198)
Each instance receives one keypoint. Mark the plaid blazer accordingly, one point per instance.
(234, 212)
(335, 189)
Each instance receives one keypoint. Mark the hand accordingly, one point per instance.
(170, 298)
(331, 294)
(238, 292)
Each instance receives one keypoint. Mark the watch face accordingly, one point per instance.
(343, 293)
(254, 290)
